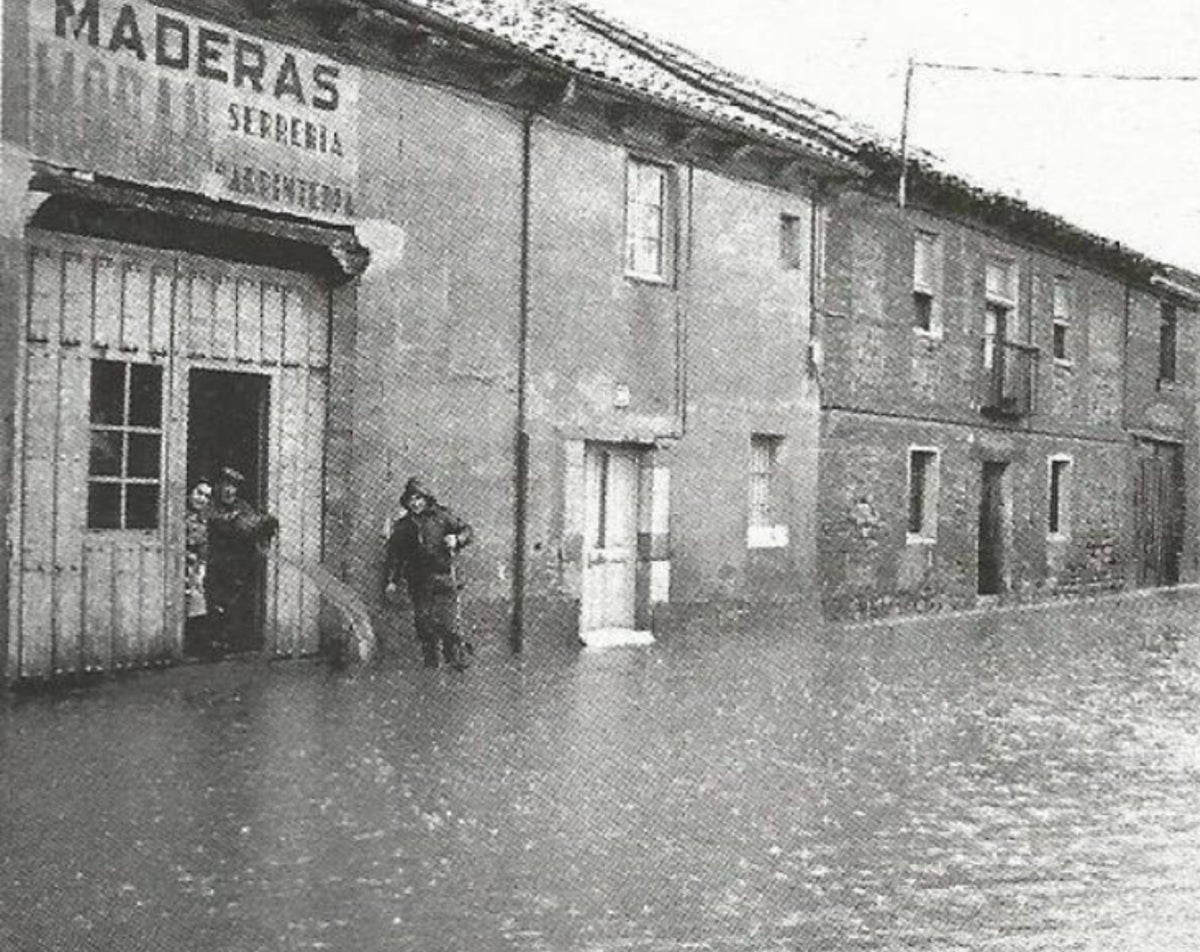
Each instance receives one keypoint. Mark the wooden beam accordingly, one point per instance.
(569, 94)
(693, 138)
(513, 79)
(410, 46)
(332, 19)
(260, 9)
(619, 114)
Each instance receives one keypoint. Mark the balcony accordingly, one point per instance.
(1009, 379)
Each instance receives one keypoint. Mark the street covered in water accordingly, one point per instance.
(1023, 780)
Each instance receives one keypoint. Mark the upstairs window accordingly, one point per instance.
(646, 197)
(922, 494)
(1000, 307)
(765, 528)
(1168, 319)
(791, 242)
(125, 460)
(1061, 308)
(1058, 513)
(926, 261)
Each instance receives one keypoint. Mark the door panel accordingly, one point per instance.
(91, 598)
(992, 511)
(1159, 504)
(610, 540)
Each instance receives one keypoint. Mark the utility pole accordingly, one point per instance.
(908, 78)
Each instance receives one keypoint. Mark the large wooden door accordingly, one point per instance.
(1159, 511)
(610, 538)
(992, 529)
(111, 333)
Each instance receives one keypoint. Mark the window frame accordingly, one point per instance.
(1058, 522)
(792, 242)
(930, 493)
(666, 217)
(1004, 304)
(1168, 363)
(926, 288)
(770, 533)
(126, 430)
(1060, 317)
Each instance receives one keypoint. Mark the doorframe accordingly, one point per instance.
(1004, 543)
(635, 453)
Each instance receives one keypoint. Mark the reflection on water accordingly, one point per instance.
(1016, 782)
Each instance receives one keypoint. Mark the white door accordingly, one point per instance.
(610, 538)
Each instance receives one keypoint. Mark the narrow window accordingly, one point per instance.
(646, 195)
(925, 271)
(1059, 508)
(791, 242)
(1166, 342)
(1062, 319)
(765, 527)
(999, 310)
(762, 474)
(125, 460)
(922, 494)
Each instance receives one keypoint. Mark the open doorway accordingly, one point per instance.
(993, 529)
(227, 427)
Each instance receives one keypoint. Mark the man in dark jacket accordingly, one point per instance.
(421, 551)
(237, 536)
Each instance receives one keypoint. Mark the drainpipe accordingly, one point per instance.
(521, 475)
(683, 288)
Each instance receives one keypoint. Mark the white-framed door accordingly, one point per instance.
(609, 596)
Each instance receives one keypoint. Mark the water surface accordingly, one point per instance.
(1015, 782)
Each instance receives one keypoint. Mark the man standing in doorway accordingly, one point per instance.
(421, 550)
(237, 534)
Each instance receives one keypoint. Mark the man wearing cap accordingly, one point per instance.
(236, 535)
(421, 550)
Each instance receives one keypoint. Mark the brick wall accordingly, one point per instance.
(876, 361)
(888, 387)
(870, 567)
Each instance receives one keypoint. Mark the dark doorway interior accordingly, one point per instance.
(1160, 510)
(227, 426)
(992, 529)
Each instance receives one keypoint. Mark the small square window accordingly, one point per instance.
(922, 494)
(1060, 341)
(922, 311)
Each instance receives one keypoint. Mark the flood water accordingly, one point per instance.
(1022, 781)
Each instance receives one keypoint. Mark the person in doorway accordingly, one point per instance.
(237, 537)
(199, 504)
(421, 551)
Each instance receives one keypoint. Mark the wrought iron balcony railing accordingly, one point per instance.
(1009, 378)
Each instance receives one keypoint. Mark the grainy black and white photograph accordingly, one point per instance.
(599, 476)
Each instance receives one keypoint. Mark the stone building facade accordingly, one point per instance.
(659, 333)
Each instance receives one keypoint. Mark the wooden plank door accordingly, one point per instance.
(88, 579)
(992, 527)
(610, 538)
(1159, 502)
